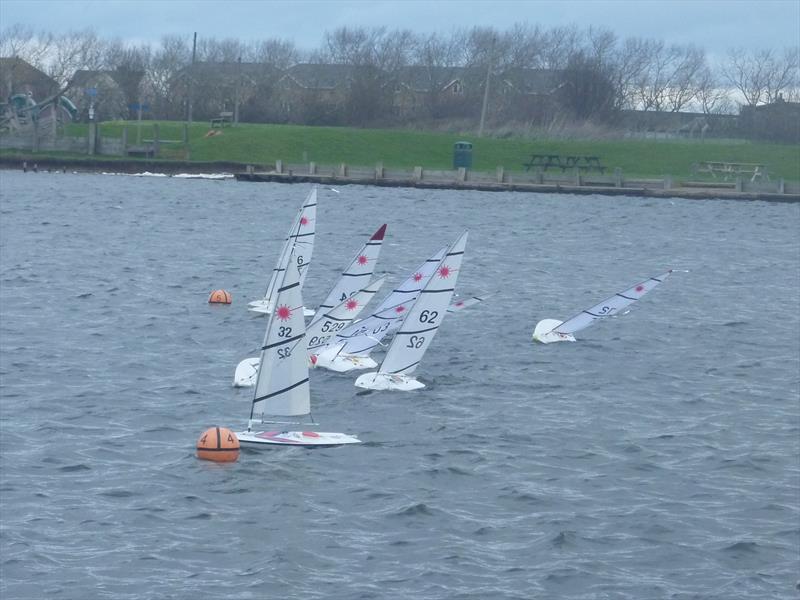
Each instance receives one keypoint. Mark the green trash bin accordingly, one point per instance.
(462, 155)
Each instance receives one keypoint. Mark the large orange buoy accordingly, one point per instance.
(220, 297)
(218, 444)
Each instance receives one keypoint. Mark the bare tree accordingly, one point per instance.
(711, 96)
(128, 66)
(561, 43)
(687, 64)
(280, 53)
(73, 51)
(630, 63)
(22, 42)
(162, 81)
(783, 74)
(761, 76)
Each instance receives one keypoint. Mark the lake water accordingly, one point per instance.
(657, 457)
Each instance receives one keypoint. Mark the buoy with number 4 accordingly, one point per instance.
(218, 444)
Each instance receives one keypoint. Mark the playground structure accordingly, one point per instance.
(22, 114)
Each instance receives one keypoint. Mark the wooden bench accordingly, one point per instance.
(142, 151)
(224, 118)
(581, 163)
(732, 169)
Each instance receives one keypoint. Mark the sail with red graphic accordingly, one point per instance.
(551, 330)
(417, 331)
(356, 275)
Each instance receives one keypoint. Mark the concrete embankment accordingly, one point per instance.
(499, 181)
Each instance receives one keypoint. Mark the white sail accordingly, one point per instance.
(318, 332)
(420, 325)
(355, 275)
(551, 330)
(361, 337)
(462, 303)
(282, 384)
(299, 241)
(321, 330)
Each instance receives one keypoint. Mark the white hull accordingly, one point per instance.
(342, 363)
(544, 334)
(263, 307)
(387, 381)
(305, 439)
(246, 372)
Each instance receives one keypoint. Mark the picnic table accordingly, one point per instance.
(580, 162)
(732, 169)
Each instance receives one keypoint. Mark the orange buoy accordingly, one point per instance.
(220, 297)
(218, 444)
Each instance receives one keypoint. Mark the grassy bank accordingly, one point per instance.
(264, 144)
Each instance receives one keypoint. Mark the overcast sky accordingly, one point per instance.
(716, 25)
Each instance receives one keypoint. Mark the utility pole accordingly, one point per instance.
(191, 79)
(236, 97)
(486, 89)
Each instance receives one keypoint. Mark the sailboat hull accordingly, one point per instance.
(387, 381)
(544, 334)
(305, 439)
(246, 372)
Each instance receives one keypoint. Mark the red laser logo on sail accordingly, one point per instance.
(417, 276)
(362, 260)
(399, 309)
(444, 272)
(640, 288)
(284, 313)
(351, 304)
(303, 220)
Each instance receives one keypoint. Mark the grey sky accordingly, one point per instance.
(716, 25)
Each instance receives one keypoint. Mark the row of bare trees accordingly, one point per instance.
(601, 73)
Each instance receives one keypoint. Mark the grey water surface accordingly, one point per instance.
(656, 457)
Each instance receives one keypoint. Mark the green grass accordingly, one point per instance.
(264, 144)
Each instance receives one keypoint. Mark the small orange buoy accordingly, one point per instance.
(218, 444)
(220, 297)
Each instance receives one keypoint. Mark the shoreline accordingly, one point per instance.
(436, 180)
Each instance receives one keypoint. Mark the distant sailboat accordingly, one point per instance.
(460, 304)
(282, 383)
(553, 330)
(350, 347)
(299, 245)
(418, 328)
(318, 332)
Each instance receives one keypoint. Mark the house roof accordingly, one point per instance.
(326, 76)
(253, 71)
(532, 81)
(20, 73)
(425, 78)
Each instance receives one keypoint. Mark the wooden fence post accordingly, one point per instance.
(156, 141)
